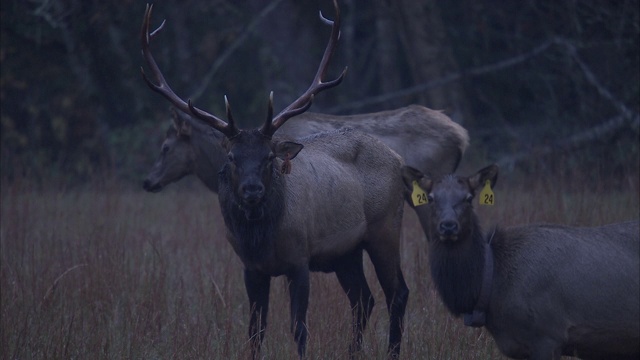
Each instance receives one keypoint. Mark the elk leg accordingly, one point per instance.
(387, 266)
(351, 276)
(299, 297)
(257, 285)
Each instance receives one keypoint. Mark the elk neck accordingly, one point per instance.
(252, 235)
(457, 269)
(478, 317)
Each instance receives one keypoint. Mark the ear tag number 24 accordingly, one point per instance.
(486, 194)
(418, 196)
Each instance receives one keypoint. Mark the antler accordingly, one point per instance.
(304, 101)
(163, 88)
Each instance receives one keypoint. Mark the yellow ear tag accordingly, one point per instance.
(418, 196)
(486, 194)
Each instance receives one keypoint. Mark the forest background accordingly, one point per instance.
(539, 84)
(91, 266)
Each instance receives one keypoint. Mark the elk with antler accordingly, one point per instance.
(342, 196)
(426, 139)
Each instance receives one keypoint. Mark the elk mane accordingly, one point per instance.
(456, 270)
(257, 234)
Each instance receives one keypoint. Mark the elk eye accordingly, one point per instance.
(430, 198)
(230, 156)
(468, 198)
(165, 149)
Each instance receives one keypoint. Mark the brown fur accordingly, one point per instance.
(340, 197)
(557, 290)
(426, 139)
(334, 204)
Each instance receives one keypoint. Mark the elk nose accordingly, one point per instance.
(148, 185)
(252, 193)
(448, 227)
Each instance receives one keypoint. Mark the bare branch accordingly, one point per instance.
(593, 80)
(206, 79)
(447, 79)
(602, 130)
(52, 12)
(626, 118)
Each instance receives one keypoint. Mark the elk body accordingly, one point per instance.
(426, 139)
(289, 210)
(553, 290)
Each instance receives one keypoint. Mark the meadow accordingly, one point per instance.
(107, 271)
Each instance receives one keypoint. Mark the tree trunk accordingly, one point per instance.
(430, 56)
(386, 51)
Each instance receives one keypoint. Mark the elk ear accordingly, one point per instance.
(410, 174)
(287, 150)
(489, 173)
(175, 119)
(171, 132)
(185, 129)
(180, 123)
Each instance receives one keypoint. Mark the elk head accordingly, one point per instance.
(177, 157)
(449, 208)
(251, 153)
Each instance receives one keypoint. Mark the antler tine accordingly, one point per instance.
(162, 87)
(303, 103)
(232, 123)
(266, 128)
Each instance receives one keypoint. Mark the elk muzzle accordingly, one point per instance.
(448, 230)
(252, 192)
(151, 186)
(447, 224)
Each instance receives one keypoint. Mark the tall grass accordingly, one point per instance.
(108, 272)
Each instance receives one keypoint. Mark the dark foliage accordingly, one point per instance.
(520, 76)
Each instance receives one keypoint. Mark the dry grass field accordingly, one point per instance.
(110, 272)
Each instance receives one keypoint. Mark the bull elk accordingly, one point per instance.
(542, 291)
(341, 195)
(426, 139)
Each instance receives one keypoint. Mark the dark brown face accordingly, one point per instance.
(251, 157)
(250, 160)
(176, 160)
(450, 208)
(448, 215)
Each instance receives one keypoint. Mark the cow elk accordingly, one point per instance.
(426, 139)
(289, 211)
(542, 291)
